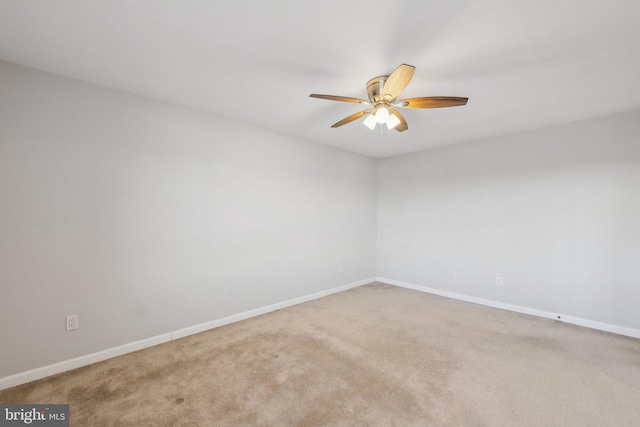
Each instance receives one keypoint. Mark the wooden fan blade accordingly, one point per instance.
(432, 102)
(402, 126)
(397, 81)
(339, 98)
(351, 118)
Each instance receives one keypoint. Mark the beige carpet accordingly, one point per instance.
(374, 355)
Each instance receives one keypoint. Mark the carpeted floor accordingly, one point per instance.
(374, 355)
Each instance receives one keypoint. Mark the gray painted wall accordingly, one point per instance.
(145, 218)
(556, 212)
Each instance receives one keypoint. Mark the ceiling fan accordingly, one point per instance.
(383, 93)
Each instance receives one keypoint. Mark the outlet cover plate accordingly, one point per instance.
(73, 322)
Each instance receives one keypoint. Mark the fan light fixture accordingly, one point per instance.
(373, 119)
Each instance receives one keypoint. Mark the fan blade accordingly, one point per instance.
(397, 81)
(351, 118)
(431, 102)
(402, 126)
(339, 98)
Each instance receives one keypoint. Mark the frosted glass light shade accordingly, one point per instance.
(382, 115)
(393, 121)
(370, 122)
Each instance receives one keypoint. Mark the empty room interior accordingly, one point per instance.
(411, 213)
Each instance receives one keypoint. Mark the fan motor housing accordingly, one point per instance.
(374, 88)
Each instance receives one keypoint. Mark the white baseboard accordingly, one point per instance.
(607, 327)
(78, 362)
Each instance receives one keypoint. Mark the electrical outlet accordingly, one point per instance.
(499, 281)
(339, 269)
(73, 322)
(452, 274)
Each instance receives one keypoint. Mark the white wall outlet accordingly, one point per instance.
(73, 322)
(499, 281)
(452, 274)
(339, 269)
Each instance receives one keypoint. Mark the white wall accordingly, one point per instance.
(556, 212)
(145, 218)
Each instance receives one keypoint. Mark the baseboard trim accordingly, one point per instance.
(606, 327)
(78, 362)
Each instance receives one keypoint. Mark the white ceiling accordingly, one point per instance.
(523, 64)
